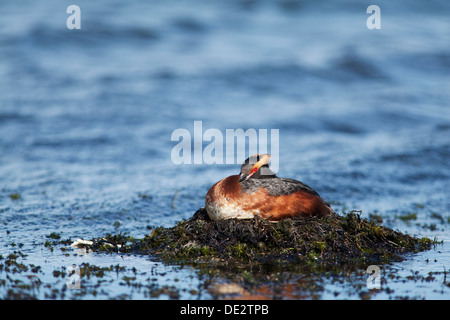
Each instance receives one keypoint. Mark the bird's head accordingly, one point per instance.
(256, 167)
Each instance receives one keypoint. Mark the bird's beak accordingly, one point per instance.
(264, 159)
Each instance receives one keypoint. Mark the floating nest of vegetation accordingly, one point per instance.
(331, 239)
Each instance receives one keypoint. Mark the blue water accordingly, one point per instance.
(86, 118)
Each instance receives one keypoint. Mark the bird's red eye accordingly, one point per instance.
(256, 169)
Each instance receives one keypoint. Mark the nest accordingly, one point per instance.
(331, 238)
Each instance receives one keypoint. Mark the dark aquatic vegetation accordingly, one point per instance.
(346, 238)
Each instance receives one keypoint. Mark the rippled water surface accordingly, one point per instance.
(86, 118)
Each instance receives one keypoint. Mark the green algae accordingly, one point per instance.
(15, 196)
(333, 239)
